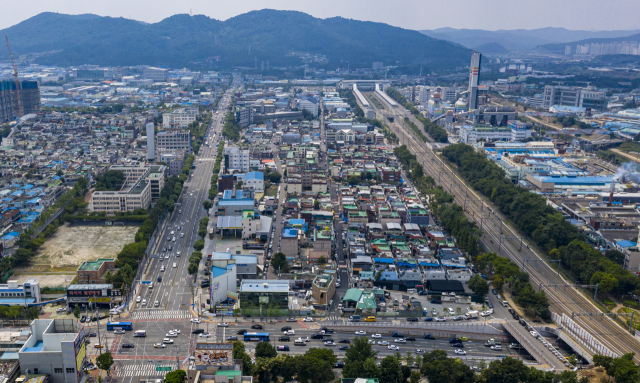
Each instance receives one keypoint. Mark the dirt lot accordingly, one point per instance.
(46, 280)
(72, 245)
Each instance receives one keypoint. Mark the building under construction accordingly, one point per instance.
(29, 96)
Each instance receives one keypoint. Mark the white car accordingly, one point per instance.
(383, 343)
(400, 340)
(361, 332)
(290, 332)
(144, 302)
(159, 345)
(485, 314)
(223, 324)
(119, 332)
(307, 319)
(176, 331)
(138, 299)
(534, 334)
(441, 319)
(177, 254)
(205, 335)
(171, 335)
(460, 352)
(419, 351)
(167, 341)
(376, 336)
(304, 338)
(393, 347)
(496, 348)
(329, 343)
(175, 264)
(371, 341)
(195, 320)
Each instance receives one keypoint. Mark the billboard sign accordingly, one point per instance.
(213, 355)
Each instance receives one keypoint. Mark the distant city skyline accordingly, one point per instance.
(409, 14)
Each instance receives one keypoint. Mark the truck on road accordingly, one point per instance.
(471, 315)
(211, 233)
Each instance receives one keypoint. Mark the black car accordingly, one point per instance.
(92, 334)
(458, 345)
(285, 328)
(328, 339)
(410, 338)
(494, 291)
(257, 327)
(344, 347)
(455, 340)
(522, 322)
(198, 331)
(344, 341)
(159, 278)
(241, 332)
(429, 336)
(232, 337)
(284, 338)
(412, 319)
(128, 345)
(83, 319)
(516, 317)
(512, 311)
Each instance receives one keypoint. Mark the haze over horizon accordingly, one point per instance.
(498, 14)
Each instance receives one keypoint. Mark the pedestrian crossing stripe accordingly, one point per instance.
(160, 314)
(142, 370)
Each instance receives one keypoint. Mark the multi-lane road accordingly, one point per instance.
(503, 239)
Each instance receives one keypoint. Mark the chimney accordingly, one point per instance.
(613, 186)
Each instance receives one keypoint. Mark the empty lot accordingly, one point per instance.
(70, 246)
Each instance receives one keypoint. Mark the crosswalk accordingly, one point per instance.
(142, 370)
(332, 318)
(160, 314)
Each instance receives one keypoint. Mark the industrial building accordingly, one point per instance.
(174, 139)
(574, 96)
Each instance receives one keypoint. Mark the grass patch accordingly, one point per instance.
(271, 191)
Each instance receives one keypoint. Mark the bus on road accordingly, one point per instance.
(257, 336)
(119, 326)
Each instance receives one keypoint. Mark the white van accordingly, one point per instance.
(151, 285)
(505, 303)
(162, 268)
(299, 342)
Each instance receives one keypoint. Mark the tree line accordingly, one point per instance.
(436, 132)
(198, 130)
(539, 221)
(231, 129)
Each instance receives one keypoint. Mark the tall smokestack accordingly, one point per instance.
(611, 189)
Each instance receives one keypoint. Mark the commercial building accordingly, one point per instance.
(574, 96)
(264, 293)
(101, 295)
(236, 159)
(244, 116)
(289, 244)
(179, 118)
(174, 139)
(474, 77)
(151, 145)
(29, 97)
(323, 289)
(56, 348)
(254, 180)
(142, 185)
(156, 74)
(12, 293)
(310, 104)
(93, 272)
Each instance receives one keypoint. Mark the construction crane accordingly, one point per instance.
(15, 74)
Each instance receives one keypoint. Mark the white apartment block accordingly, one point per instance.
(156, 74)
(236, 159)
(179, 118)
(174, 139)
(128, 199)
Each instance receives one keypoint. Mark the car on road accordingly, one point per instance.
(457, 345)
(175, 330)
(257, 327)
(177, 253)
(361, 332)
(410, 338)
(441, 319)
(460, 352)
(144, 302)
(376, 336)
(232, 338)
(175, 264)
(139, 299)
(282, 348)
(167, 341)
(400, 340)
(159, 345)
(307, 319)
(83, 319)
(344, 341)
(428, 319)
(171, 334)
(98, 345)
(241, 332)
(285, 328)
(534, 334)
(61, 310)
(383, 343)
(91, 367)
(198, 331)
(290, 332)
(484, 314)
(329, 343)
(514, 345)
(92, 335)
(284, 339)
(119, 332)
(393, 347)
(128, 345)
(496, 348)
(224, 324)
(494, 291)
(196, 320)
(343, 348)
(205, 335)
(412, 319)
(459, 317)
(419, 351)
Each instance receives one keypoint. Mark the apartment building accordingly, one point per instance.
(179, 118)
(29, 97)
(236, 159)
(156, 74)
(174, 139)
(244, 116)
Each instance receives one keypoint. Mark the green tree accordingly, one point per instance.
(192, 268)
(265, 350)
(506, 370)
(478, 285)
(355, 357)
(176, 376)
(279, 262)
(437, 367)
(415, 377)
(104, 362)
(323, 354)
(314, 370)
(240, 353)
(322, 260)
(316, 204)
(207, 204)
(198, 244)
(370, 369)
(353, 180)
(76, 311)
(390, 370)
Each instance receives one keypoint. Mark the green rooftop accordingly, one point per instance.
(229, 372)
(94, 265)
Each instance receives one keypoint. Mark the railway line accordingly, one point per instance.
(507, 242)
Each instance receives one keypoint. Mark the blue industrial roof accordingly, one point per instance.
(626, 244)
(297, 221)
(383, 260)
(217, 271)
(560, 180)
(254, 176)
(238, 202)
(289, 232)
(39, 346)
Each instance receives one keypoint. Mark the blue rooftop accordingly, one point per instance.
(254, 176)
(217, 271)
(289, 232)
(39, 346)
(624, 244)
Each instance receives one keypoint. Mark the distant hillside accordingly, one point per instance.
(490, 48)
(559, 48)
(519, 39)
(266, 35)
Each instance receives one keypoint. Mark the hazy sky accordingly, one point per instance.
(411, 14)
